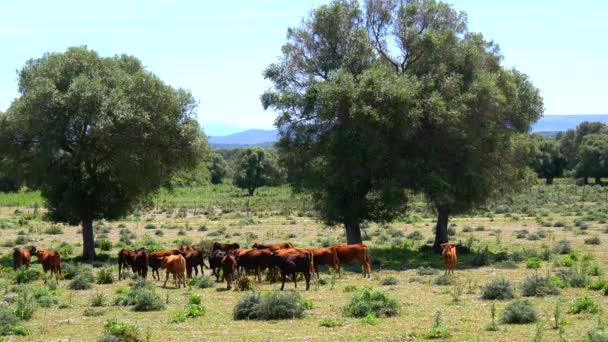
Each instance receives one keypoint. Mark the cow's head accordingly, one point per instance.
(447, 246)
(32, 249)
(163, 262)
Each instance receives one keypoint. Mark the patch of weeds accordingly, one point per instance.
(443, 280)
(98, 299)
(269, 306)
(500, 289)
(424, 270)
(389, 281)
(332, 323)
(202, 282)
(538, 286)
(438, 330)
(104, 276)
(520, 311)
(93, 312)
(584, 305)
(372, 301)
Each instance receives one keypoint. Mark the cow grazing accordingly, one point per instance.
(229, 267)
(176, 265)
(23, 257)
(448, 251)
(50, 260)
(137, 260)
(325, 256)
(226, 247)
(194, 260)
(254, 259)
(347, 254)
(215, 262)
(155, 258)
(293, 261)
(272, 246)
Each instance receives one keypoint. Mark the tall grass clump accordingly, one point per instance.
(372, 301)
(104, 276)
(584, 305)
(121, 331)
(520, 311)
(141, 296)
(500, 289)
(538, 286)
(25, 275)
(25, 305)
(270, 306)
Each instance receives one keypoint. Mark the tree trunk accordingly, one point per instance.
(88, 241)
(549, 181)
(441, 231)
(353, 233)
(598, 180)
(585, 180)
(251, 191)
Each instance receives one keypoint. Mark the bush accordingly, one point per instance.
(98, 299)
(533, 263)
(104, 276)
(520, 311)
(81, 282)
(444, 279)
(45, 298)
(563, 247)
(498, 289)
(146, 300)
(415, 235)
(270, 306)
(585, 305)
(66, 249)
(93, 312)
(593, 240)
(202, 282)
(390, 281)
(596, 334)
(54, 229)
(26, 305)
(243, 283)
(573, 277)
(598, 284)
(122, 331)
(8, 319)
(194, 310)
(105, 245)
(481, 258)
(538, 286)
(159, 232)
(331, 323)
(71, 270)
(372, 301)
(422, 270)
(25, 275)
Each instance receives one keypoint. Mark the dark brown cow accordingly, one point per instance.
(215, 262)
(137, 260)
(254, 259)
(229, 266)
(155, 258)
(23, 257)
(194, 260)
(347, 254)
(325, 256)
(226, 247)
(292, 261)
(272, 246)
(50, 260)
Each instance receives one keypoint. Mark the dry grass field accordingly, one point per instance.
(494, 244)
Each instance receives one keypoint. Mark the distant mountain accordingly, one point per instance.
(250, 137)
(553, 123)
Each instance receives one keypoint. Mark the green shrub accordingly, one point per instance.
(45, 297)
(105, 245)
(520, 311)
(270, 306)
(390, 281)
(481, 258)
(26, 275)
(54, 229)
(573, 277)
(593, 240)
(563, 247)
(81, 282)
(498, 289)
(194, 310)
(533, 263)
(123, 331)
(25, 305)
(243, 283)
(104, 276)
(444, 279)
(202, 282)
(438, 330)
(415, 235)
(598, 284)
(146, 300)
(71, 270)
(159, 232)
(98, 299)
(331, 323)
(370, 319)
(538, 286)
(584, 305)
(596, 334)
(66, 249)
(178, 317)
(194, 299)
(372, 301)
(350, 288)
(423, 270)
(93, 312)
(7, 319)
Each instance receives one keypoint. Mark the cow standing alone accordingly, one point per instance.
(448, 251)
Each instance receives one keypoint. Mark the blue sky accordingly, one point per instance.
(218, 49)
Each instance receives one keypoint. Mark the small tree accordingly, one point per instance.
(571, 140)
(592, 158)
(218, 167)
(256, 167)
(548, 162)
(98, 134)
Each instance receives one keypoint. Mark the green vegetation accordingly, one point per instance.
(520, 311)
(269, 306)
(370, 301)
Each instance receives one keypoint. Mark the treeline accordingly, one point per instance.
(580, 153)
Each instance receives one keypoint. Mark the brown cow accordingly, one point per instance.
(448, 251)
(176, 265)
(186, 248)
(215, 262)
(23, 257)
(226, 247)
(194, 260)
(155, 258)
(229, 266)
(325, 256)
(292, 261)
(347, 254)
(272, 246)
(50, 260)
(254, 259)
(137, 259)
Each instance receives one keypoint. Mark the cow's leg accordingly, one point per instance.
(295, 279)
(119, 270)
(229, 281)
(282, 280)
(166, 278)
(189, 271)
(307, 275)
(258, 273)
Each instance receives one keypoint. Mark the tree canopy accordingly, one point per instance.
(256, 167)
(99, 134)
(548, 161)
(218, 167)
(397, 97)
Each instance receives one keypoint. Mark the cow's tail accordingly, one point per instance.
(311, 267)
(366, 259)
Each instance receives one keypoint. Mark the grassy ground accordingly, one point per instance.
(220, 213)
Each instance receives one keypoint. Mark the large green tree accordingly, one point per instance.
(570, 142)
(256, 167)
(218, 167)
(592, 157)
(98, 134)
(394, 98)
(548, 161)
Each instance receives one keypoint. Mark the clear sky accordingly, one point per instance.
(218, 49)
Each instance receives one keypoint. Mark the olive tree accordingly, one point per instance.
(98, 135)
(256, 167)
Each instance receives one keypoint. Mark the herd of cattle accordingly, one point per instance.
(226, 259)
